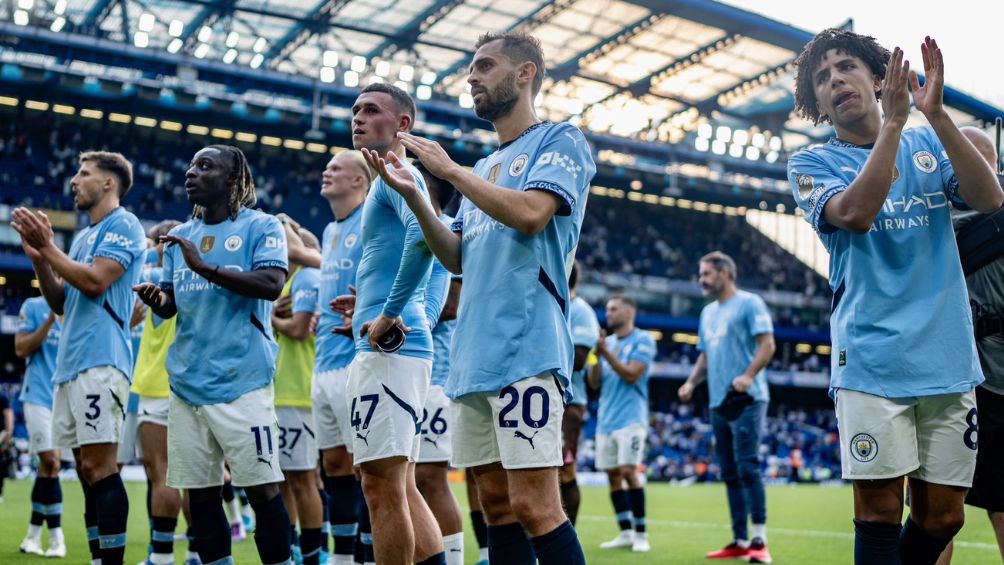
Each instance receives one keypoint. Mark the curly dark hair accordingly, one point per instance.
(863, 47)
(242, 193)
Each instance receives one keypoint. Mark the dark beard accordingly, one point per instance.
(499, 102)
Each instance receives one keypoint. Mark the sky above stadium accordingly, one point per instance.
(967, 30)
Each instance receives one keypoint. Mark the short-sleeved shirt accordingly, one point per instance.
(294, 366)
(726, 333)
(40, 365)
(901, 325)
(394, 268)
(223, 346)
(585, 333)
(96, 330)
(623, 404)
(513, 318)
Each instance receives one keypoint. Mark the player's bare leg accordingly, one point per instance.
(343, 494)
(165, 502)
(477, 517)
(303, 489)
(937, 513)
(878, 515)
(622, 508)
(432, 480)
(521, 499)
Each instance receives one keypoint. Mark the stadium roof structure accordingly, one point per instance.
(659, 85)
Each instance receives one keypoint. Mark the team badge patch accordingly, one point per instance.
(925, 161)
(804, 183)
(206, 245)
(518, 164)
(351, 240)
(493, 174)
(864, 448)
(233, 243)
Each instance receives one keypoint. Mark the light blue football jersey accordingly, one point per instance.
(901, 325)
(305, 290)
(341, 250)
(726, 333)
(223, 345)
(96, 331)
(585, 333)
(513, 319)
(623, 404)
(436, 293)
(40, 365)
(394, 268)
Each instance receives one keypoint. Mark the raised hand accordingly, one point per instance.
(188, 250)
(393, 172)
(895, 97)
(601, 344)
(345, 304)
(34, 228)
(930, 98)
(431, 154)
(151, 295)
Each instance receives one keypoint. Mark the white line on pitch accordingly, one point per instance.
(785, 531)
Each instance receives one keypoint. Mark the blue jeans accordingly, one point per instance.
(737, 443)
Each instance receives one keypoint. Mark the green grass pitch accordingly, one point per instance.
(806, 525)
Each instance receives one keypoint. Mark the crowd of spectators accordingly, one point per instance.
(798, 446)
(38, 156)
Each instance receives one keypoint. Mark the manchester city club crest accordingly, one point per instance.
(864, 448)
(206, 245)
(233, 243)
(351, 239)
(518, 164)
(925, 161)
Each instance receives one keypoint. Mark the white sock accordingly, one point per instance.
(34, 532)
(743, 543)
(161, 558)
(453, 545)
(55, 535)
(192, 555)
(245, 510)
(760, 531)
(483, 554)
(95, 562)
(336, 559)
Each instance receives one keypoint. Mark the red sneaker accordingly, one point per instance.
(757, 552)
(731, 551)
